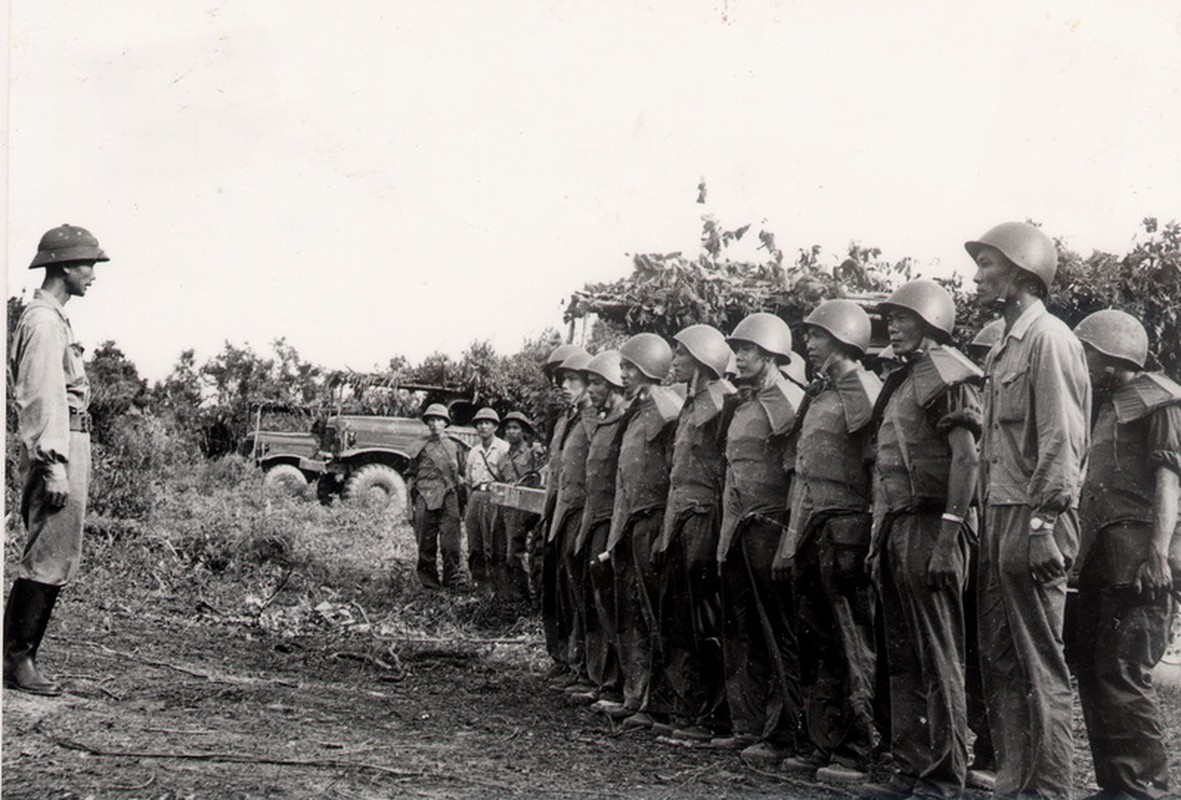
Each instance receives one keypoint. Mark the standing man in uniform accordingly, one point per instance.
(483, 469)
(1120, 625)
(690, 595)
(929, 417)
(825, 548)
(51, 395)
(521, 466)
(1037, 410)
(604, 384)
(758, 635)
(433, 479)
(641, 490)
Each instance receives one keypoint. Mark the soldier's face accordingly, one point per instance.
(573, 387)
(751, 360)
(485, 428)
(633, 379)
(1101, 370)
(684, 365)
(513, 433)
(78, 278)
(995, 276)
(906, 330)
(821, 346)
(599, 390)
(436, 426)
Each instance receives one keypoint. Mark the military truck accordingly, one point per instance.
(284, 443)
(365, 456)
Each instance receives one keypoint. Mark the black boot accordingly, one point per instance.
(30, 605)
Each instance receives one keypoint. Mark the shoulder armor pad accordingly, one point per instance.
(679, 389)
(1144, 394)
(712, 402)
(781, 400)
(665, 409)
(858, 390)
(939, 370)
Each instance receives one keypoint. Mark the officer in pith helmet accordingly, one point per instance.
(641, 490)
(521, 466)
(51, 395)
(1037, 407)
(434, 477)
(823, 552)
(928, 416)
(483, 469)
(1120, 625)
(759, 650)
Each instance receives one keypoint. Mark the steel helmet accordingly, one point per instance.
(844, 320)
(437, 410)
(1115, 334)
(989, 335)
(930, 301)
(606, 366)
(520, 419)
(67, 244)
(486, 413)
(576, 361)
(650, 354)
(708, 347)
(1023, 244)
(765, 330)
(560, 354)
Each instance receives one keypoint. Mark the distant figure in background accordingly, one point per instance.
(433, 480)
(521, 466)
(483, 469)
(51, 394)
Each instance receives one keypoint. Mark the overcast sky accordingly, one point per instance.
(371, 178)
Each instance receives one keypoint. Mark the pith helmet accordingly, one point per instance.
(67, 244)
(486, 414)
(930, 301)
(844, 320)
(765, 330)
(437, 410)
(708, 347)
(1023, 244)
(606, 366)
(989, 335)
(650, 354)
(576, 361)
(560, 354)
(1115, 334)
(520, 419)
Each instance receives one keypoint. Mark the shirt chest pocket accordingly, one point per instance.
(74, 364)
(1012, 396)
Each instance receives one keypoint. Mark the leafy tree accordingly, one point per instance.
(115, 388)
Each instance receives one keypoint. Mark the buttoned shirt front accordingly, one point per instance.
(484, 462)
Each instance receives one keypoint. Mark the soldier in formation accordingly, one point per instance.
(483, 469)
(736, 565)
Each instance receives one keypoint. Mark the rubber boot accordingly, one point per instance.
(30, 605)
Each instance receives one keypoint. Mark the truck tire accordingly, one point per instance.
(379, 486)
(287, 478)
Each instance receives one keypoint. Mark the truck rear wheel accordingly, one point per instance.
(287, 478)
(378, 486)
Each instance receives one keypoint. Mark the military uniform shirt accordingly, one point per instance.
(483, 463)
(437, 470)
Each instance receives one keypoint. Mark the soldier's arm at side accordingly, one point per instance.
(1062, 401)
(42, 410)
(1164, 447)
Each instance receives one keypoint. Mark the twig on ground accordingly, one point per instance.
(362, 657)
(274, 594)
(688, 781)
(203, 603)
(180, 730)
(229, 679)
(233, 758)
(138, 788)
(811, 787)
(461, 642)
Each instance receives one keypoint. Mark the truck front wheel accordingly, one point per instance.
(378, 486)
(287, 478)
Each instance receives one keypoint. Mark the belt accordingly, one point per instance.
(80, 421)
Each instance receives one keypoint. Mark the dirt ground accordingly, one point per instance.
(172, 696)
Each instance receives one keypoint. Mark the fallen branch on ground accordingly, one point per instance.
(230, 679)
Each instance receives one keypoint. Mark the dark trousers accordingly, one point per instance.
(510, 533)
(478, 521)
(835, 604)
(572, 592)
(1115, 637)
(437, 530)
(925, 657)
(637, 596)
(1026, 682)
(761, 659)
(602, 633)
(983, 756)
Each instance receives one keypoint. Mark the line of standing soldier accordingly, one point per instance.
(814, 574)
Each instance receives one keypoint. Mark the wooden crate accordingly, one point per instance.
(522, 497)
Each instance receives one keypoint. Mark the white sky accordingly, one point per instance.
(370, 178)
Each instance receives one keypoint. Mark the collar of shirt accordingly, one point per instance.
(1035, 311)
(42, 297)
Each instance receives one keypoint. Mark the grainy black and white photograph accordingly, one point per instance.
(663, 400)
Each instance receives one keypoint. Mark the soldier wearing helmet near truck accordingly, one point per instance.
(1119, 627)
(1037, 408)
(928, 416)
(483, 469)
(758, 638)
(434, 478)
(641, 491)
(521, 466)
(824, 549)
(51, 395)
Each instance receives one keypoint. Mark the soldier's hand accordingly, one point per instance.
(1153, 577)
(782, 567)
(1045, 559)
(658, 555)
(873, 566)
(945, 569)
(57, 491)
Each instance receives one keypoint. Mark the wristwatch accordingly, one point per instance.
(1040, 525)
